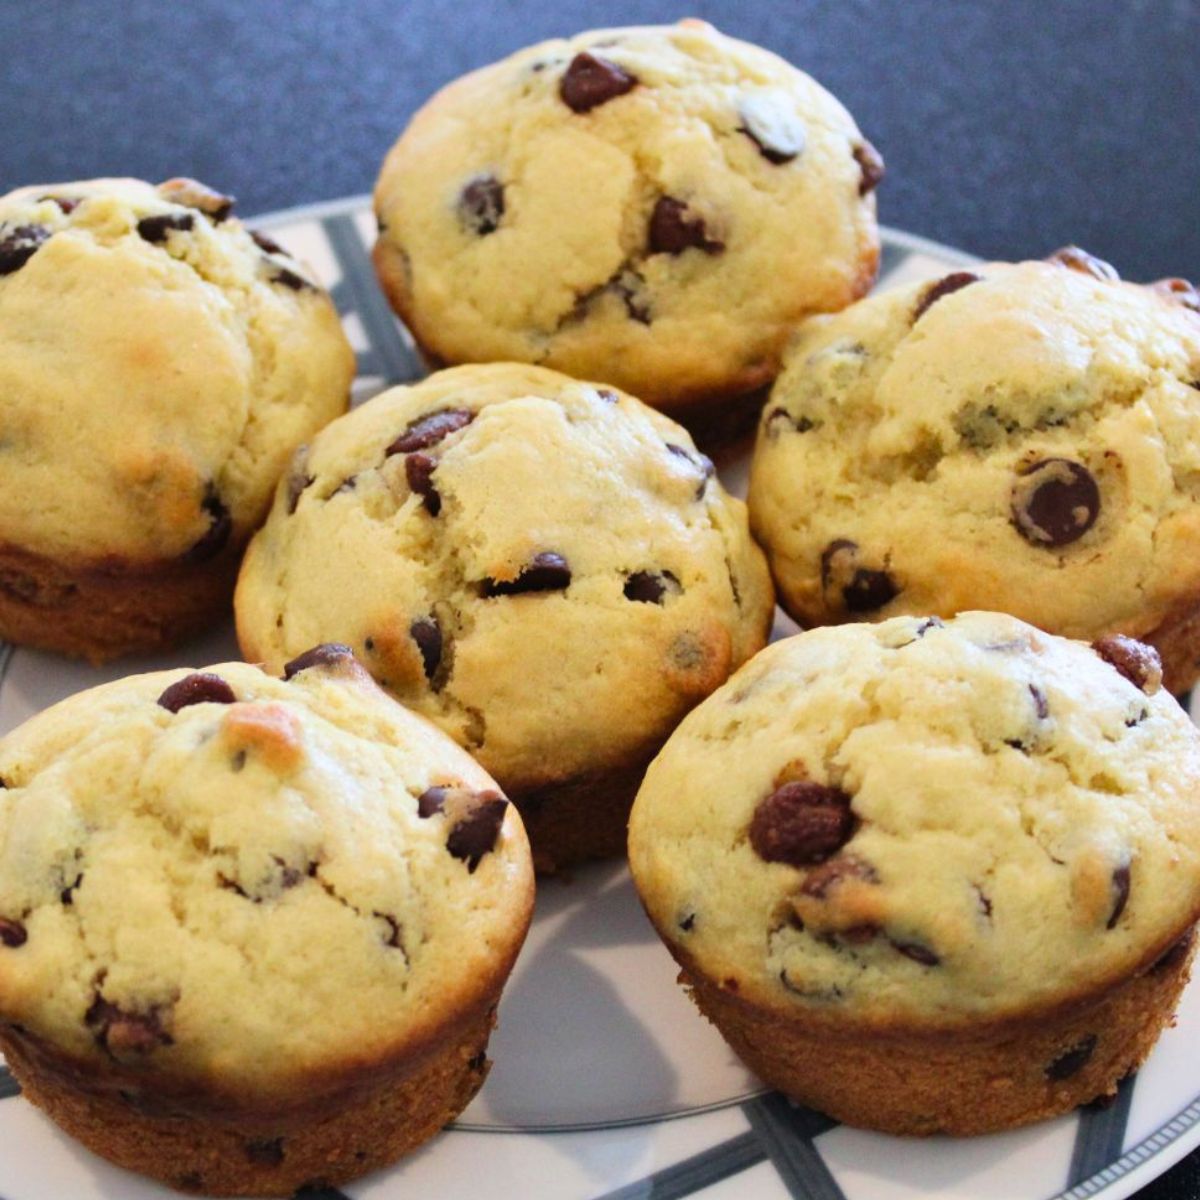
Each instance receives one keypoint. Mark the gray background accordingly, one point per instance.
(1009, 128)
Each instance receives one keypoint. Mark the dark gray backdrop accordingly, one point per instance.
(1009, 127)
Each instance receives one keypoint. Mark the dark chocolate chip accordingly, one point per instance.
(1176, 953)
(347, 485)
(155, 229)
(426, 431)
(290, 279)
(547, 572)
(297, 482)
(475, 835)
(1072, 1061)
(701, 462)
(418, 470)
(267, 244)
(119, 1031)
(590, 81)
(687, 922)
(395, 937)
(917, 952)
(773, 126)
(19, 245)
(607, 395)
(1120, 894)
(193, 194)
(327, 654)
(1182, 291)
(863, 589)
(427, 633)
(779, 419)
(1040, 704)
(1055, 501)
(431, 801)
(953, 282)
(672, 231)
(481, 205)
(66, 204)
(828, 875)
(801, 823)
(266, 1152)
(220, 527)
(478, 1061)
(928, 624)
(12, 933)
(649, 587)
(202, 687)
(870, 165)
(985, 901)
(1079, 260)
(1139, 663)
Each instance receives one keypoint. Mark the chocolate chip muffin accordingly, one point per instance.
(252, 931)
(931, 876)
(545, 568)
(1017, 437)
(158, 365)
(653, 207)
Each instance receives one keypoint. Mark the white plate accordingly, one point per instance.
(606, 1082)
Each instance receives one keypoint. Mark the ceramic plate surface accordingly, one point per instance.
(607, 1083)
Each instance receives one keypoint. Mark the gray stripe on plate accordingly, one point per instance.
(891, 259)
(398, 364)
(693, 1174)
(1100, 1137)
(786, 1132)
(9, 1087)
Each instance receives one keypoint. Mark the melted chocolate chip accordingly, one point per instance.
(801, 823)
(672, 231)
(1055, 501)
(770, 121)
(590, 81)
(863, 589)
(12, 933)
(290, 279)
(268, 1153)
(1079, 260)
(701, 462)
(547, 572)
(418, 470)
(687, 922)
(19, 245)
(607, 395)
(431, 801)
(779, 419)
(426, 431)
(155, 229)
(66, 204)
(475, 834)
(1120, 894)
(481, 205)
(395, 937)
(1072, 1061)
(828, 875)
(650, 587)
(1040, 704)
(917, 952)
(870, 165)
(427, 633)
(220, 527)
(327, 654)
(122, 1032)
(1139, 663)
(267, 244)
(202, 687)
(193, 194)
(953, 282)
(1182, 291)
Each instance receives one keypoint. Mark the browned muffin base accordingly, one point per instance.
(100, 612)
(953, 1082)
(1177, 640)
(356, 1133)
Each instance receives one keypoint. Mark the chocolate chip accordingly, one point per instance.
(481, 205)
(426, 431)
(779, 419)
(12, 933)
(418, 470)
(801, 823)
(66, 204)
(1177, 953)
(19, 245)
(395, 937)
(607, 395)
(427, 633)
(547, 572)
(267, 1153)
(1073, 1061)
(1139, 663)
(478, 1061)
(155, 229)
(870, 165)
(1086, 264)
(590, 81)
(193, 194)
(863, 589)
(1055, 501)
(267, 244)
(649, 587)
(1040, 704)
(201, 687)
(123, 1032)
(770, 121)
(290, 279)
(943, 287)
(673, 232)
(347, 485)
(475, 835)
(431, 801)
(1120, 894)
(828, 875)
(1182, 291)
(701, 462)
(296, 484)
(220, 527)
(917, 952)
(327, 654)
(687, 922)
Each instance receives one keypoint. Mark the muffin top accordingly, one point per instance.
(546, 568)
(920, 823)
(655, 207)
(158, 362)
(1017, 437)
(249, 885)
